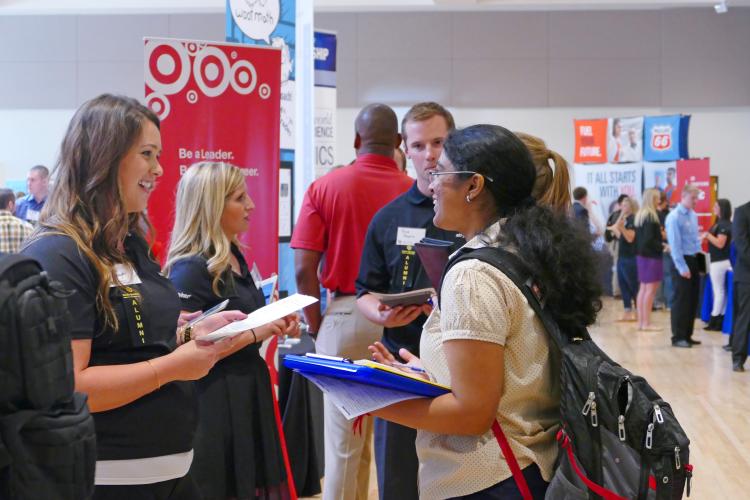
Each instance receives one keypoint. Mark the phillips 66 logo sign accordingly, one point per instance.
(661, 138)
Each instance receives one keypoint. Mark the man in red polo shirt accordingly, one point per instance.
(333, 221)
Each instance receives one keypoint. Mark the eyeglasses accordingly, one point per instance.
(434, 174)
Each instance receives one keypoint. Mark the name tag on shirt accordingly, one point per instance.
(32, 215)
(255, 275)
(126, 275)
(410, 236)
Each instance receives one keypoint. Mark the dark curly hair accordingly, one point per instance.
(556, 250)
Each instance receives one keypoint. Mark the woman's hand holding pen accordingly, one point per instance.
(185, 317)
(413, 364)
(193, 360)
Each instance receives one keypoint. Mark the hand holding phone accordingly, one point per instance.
(215, 309)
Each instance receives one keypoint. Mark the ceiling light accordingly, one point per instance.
(721, 7)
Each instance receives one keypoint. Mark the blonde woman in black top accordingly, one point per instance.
(237, 445)
(649, 250)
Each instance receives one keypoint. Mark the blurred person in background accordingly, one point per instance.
(649, 251)
(719, 238)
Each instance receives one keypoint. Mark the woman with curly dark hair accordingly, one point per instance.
(483, 339)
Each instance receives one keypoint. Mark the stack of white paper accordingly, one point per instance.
(262, 316)
(354, 399)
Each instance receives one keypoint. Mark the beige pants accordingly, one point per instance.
(345, 332)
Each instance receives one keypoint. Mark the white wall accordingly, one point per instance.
(720, 134)
(29, 137)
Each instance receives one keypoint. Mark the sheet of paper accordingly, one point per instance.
(273, 311)
(354, 399)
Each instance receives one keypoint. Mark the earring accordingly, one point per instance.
(468, 199)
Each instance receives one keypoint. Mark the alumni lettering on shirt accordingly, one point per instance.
(132, 302)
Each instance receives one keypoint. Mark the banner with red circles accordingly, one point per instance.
(218, 102)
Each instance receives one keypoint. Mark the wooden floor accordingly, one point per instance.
(711, 402)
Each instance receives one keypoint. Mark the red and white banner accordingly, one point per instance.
(698, 173)
(591, 141)
(218, 102)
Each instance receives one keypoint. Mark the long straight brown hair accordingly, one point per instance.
(85, 202)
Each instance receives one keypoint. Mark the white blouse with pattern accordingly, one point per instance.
(480, 303)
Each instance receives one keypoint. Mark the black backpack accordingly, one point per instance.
(47, 437)
(618, 438)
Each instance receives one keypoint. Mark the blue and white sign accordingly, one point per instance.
(325, 102)
(271, 23)
(665, 137)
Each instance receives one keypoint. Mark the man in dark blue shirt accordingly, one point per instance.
(30, 206)
(390, 265)
(741, 327)
(580, 198)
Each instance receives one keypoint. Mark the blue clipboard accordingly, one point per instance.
(362, 375)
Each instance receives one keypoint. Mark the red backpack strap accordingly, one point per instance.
(512, 462)
(599, 490)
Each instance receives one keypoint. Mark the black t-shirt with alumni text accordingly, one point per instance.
(147, 308)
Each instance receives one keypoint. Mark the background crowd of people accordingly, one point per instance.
(180, 418)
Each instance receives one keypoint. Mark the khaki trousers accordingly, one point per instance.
(346, 332)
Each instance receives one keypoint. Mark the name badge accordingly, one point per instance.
(410, 236)
(126, 275)
(32, 215)
(255, 275)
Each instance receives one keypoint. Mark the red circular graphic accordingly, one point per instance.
(264, 91)
(158, 56)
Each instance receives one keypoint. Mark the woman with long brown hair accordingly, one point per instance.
(124, 310)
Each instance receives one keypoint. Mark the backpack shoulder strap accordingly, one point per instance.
(513, 267)
(14, 259)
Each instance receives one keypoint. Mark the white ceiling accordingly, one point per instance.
(57, 7)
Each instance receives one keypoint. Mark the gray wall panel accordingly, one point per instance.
(604, 82)
(36, 39)
(346, 83)
(209, 27)
(117, 38)
(612, 35)
(96, 78)
(345, 26)
(696, 34)
(37, 85)
(500, 82)
(403, 82)
(410, 36)
(686, 57)
(499, 35)
(716, 81)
